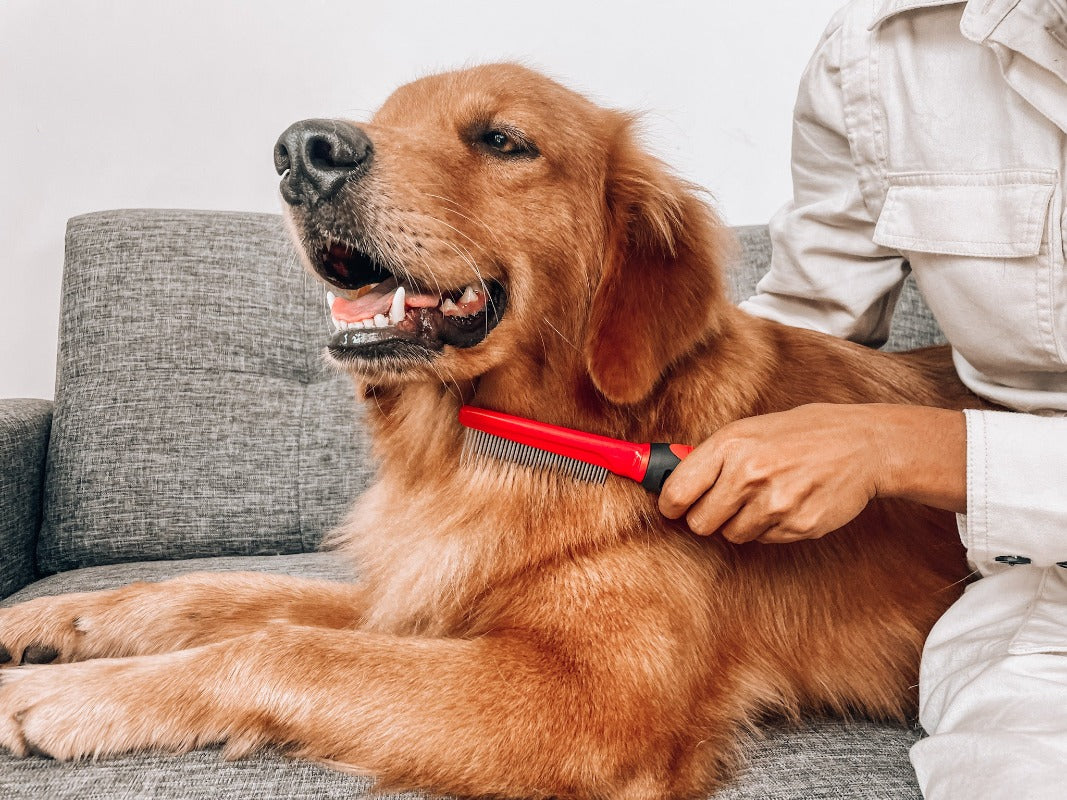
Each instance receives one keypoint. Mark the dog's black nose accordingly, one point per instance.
(316, 156)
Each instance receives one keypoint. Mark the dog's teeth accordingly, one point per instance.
(469, 295)
(380, 321)
(330, 297)
(396, 310)
(448, 305)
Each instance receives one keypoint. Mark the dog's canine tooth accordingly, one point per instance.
(396, 310)
(469, 295)
(330, 297)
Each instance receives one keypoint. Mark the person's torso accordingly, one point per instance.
(965, 176)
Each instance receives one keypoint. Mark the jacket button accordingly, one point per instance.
(1015, 560)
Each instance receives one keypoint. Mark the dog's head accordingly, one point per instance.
(490, 213)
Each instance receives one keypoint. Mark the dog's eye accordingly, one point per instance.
(506, 142)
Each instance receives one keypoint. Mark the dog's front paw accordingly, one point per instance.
(10, 717)
(70, 711)
(112, 705)
(39, 631)
(34, 703)
(64, 628)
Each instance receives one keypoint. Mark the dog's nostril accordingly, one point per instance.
(320, 154)
(281, 158)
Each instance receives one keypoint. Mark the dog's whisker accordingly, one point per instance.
(460, 233)
(454, 229)
(472, 263)
(561, 336)
(466, 256)
(477, 272)
(458, 393)
(456, 211)
(544, 344)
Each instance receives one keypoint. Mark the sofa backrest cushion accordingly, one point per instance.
(194, 413)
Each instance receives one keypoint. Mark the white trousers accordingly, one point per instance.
(993, 692)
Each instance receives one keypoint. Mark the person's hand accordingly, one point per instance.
(802, 473)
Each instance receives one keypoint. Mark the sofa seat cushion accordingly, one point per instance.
(320, 565)
(821, 761)
(826, 759)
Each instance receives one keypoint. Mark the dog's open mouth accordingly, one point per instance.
(382, 314)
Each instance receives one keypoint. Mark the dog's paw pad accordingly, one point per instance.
(39, 654)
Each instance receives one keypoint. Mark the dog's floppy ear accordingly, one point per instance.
(661, 286)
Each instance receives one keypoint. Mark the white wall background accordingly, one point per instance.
(177, 103)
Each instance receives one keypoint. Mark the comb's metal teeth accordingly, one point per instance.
(476, 443)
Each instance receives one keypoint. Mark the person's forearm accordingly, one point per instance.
(925, 455)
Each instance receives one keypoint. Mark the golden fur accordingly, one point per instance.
(517, 633)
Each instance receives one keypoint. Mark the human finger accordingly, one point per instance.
(712, 510)
(749, 523)
(690, 479)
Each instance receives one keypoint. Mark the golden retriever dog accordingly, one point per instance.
(515, 632)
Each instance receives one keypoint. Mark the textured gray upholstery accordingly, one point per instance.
(194, 414)
(196, 427)
(820, 761)
(321, 565)
(24, 426)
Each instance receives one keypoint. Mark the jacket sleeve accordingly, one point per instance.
(1016, 489)
(826, 272)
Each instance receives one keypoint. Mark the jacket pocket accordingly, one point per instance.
(986, 252)
(981, 214)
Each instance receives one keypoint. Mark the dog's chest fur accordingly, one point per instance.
(431, 546)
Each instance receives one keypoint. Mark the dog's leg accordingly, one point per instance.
(498, 714)
(187, 611)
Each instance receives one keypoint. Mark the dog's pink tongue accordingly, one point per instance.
(377, 301)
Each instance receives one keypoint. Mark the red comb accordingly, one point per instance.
(649, 464)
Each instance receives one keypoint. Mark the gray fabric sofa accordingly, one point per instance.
(196, 427)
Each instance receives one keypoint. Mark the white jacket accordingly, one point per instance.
(930, 135)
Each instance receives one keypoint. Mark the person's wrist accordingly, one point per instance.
(922, 454)
(892, 440)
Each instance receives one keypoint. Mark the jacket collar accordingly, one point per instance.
(1036, 30)
(979, 19)
(890, 8)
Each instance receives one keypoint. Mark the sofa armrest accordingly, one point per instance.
(24, 429)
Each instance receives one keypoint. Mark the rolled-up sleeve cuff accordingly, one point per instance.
(1016, 490)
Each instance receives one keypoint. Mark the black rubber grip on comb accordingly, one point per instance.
(661, 463)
